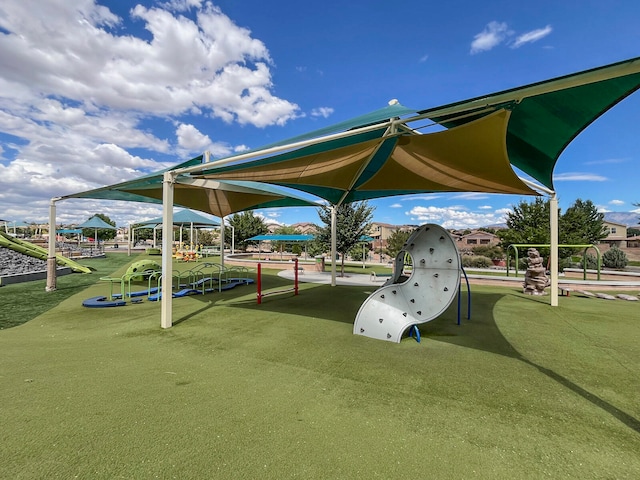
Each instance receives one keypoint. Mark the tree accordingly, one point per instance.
(528, 223)
(396, 242)
(247, 225)
(353, 220)
(582, 224)
(284, 246)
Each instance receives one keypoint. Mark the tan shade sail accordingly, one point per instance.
(469, 158)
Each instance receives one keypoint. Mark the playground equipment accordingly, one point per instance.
(205, 278)
(141, 269)
(515, 247)
(28, 248)
(260, 294)
(419, 296)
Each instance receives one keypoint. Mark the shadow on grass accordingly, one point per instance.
(482, 333)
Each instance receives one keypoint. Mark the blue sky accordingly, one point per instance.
(98, 92)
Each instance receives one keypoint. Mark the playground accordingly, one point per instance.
(284, 389)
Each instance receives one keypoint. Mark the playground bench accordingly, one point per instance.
(564, 290)
(374, 276)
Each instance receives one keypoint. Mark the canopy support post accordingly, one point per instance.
(51, 257)
(166, 300)
(129, 239)
(553, 252)
(334, 222)
(222, 243)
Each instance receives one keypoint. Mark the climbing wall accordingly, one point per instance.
(421, 297)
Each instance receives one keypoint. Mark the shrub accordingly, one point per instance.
(590, 261)
(490, 251)
(476, 261)
(615, 258)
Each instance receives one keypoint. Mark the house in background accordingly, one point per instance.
(305, 228)
(617, 234)
(380, 232)
(477, 238)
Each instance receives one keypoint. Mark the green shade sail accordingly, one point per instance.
(484, 139)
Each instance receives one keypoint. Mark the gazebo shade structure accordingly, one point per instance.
(182, 218)
(96, 222)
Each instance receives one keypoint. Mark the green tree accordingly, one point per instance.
(284, 246)
(633, 232)
(396, 242)
(582, 224)
(528, 223)
(353, 220)
(246, 225)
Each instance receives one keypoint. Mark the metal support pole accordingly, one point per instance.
(334, 221)
(553, 252)
(259, 284)
(222, 243)
(166, 301)
(51, 256)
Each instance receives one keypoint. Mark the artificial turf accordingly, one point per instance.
(284, 390)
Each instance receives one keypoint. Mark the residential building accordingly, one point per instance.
(617, 234)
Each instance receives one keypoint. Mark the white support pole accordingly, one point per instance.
(129, 239)
(334, 222)
(553, 253)
(167, 254)
(222, 242)
(51, 256)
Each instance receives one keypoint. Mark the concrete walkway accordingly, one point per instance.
(353, 279)
(367, 280)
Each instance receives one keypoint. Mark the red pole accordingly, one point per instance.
(259, 283)
(295, 278)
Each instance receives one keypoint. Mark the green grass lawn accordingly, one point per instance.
(284, 390)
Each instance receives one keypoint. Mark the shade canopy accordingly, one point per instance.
(96, 222)
(480, 142)
(219, 198)
(182, 218)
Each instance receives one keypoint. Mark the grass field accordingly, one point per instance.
(284, 390)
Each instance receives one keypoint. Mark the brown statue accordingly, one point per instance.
(535, 278)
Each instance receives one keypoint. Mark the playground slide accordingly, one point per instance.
(36, 251)
(423, 295)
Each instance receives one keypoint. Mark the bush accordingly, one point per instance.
(476, 261)
(590, 261)
(490, 251)
(615, 258)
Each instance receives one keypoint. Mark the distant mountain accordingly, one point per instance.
(627, 218)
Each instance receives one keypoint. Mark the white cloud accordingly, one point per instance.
(322, 112)
(616, 202)
(454, 217)
(423, 58)
(579, 177)
(532, 36)
(395, 205)
(607, 161)
(485, 207)
(492, 35)
(79, 90)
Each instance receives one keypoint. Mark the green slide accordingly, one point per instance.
(35, 251)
